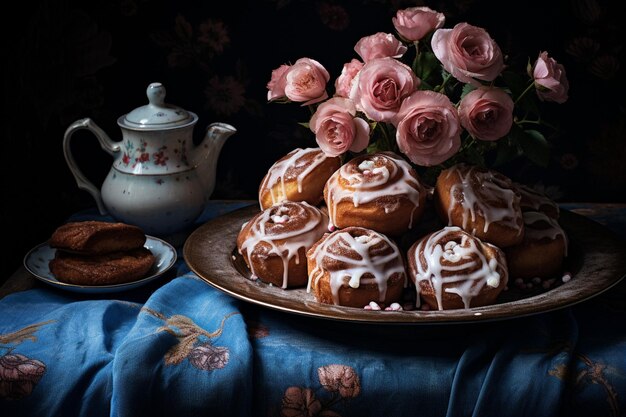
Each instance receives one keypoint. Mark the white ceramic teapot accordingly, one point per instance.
(159, 181)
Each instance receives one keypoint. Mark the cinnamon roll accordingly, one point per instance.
(298, 176)
(543, 250)
(482, 202)
(380, 191)
(274, 242)
(453, 269)
(354, 266)
(533, 200)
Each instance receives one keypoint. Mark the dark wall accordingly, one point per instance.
(66, 60)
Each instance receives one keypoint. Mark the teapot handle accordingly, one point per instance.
(105, 142)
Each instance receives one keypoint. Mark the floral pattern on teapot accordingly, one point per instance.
(158, 157)
(159, 181)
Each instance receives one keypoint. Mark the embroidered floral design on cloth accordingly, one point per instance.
(589, 372)
(203, 356)
(580, 372)
(341, 381)
(19, 374)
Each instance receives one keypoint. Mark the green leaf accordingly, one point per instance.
(474, 154)
(467, 88)
(506, 151)
(305, 124)
(533, 144)
(373, 147)
(427, 64)
(426, 86)
(517, 83)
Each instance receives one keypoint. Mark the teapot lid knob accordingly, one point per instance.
(156, 94)
(157, 114)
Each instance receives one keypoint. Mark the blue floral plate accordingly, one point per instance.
(37, 259)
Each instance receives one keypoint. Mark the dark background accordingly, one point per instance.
(65, 60)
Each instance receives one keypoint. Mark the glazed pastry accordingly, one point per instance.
(533, 200)
(354, 266)
(298, 176)
(380, 191)
(105, 269)
(482, 202)
(275, 241)
(453, 269)
(542, 251)
(96, 237)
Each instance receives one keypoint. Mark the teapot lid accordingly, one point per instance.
(156, 114)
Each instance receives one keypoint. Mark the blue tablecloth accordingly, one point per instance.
(178, 347)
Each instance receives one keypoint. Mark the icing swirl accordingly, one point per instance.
(355, 256)
(295, 166)
(483, 193)
(453, 261)
(384, 178)
(282, 230)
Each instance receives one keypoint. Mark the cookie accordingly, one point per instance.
(106, 269)
(97, 237)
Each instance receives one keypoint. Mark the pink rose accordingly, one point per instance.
(550, 79)
(428, 128)
(379, 45)
(305, 81)
(468, 52)
(380, 87)
(416, 22)
(336, 128)
(486, 113)
(276, 86)
(344, 82)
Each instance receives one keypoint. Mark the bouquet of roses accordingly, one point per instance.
(438, 96)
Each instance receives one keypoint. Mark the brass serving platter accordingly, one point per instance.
(596, 262)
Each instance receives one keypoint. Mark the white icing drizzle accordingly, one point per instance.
(369, 179)
(294, 160)
(378, 268)
(475, 203)
(284, 239)
(534, 200)
(461, 263)
(551, 228)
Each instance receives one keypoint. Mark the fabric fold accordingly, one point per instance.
(58, 362)
(187, 354)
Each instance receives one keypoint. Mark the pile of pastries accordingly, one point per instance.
(358, 233)
(96, 252)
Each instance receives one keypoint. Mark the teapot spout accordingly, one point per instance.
(207, 154)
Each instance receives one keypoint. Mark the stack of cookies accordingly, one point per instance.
(99, 253)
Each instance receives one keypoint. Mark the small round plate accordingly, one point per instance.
(37, 259)
(596, 262)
